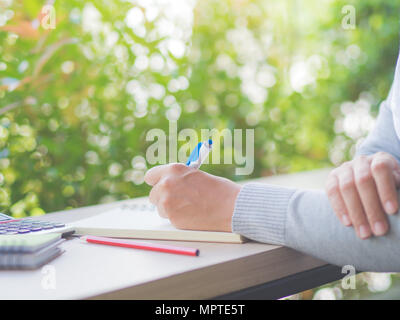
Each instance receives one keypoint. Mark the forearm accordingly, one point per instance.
(304, 220)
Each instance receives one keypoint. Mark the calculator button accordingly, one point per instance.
(59, 225)
(11, 232)
(24, 231)
(47, 227)
(11, 224)
(34, 229)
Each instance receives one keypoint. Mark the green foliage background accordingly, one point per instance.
(71, 126)
(76, 102)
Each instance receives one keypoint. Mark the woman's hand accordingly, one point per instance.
(362, 190)
(192, 199)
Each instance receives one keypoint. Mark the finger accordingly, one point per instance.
(161, 211)
(153, 175)
(154, 197)
(160, 189)
(161, 192)
(383, 167)
(369, 196)
(397, 179)
(336, 200)
(353, 203)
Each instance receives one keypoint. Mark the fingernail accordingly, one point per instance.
(379, 228)
(364, 231)
(390, 208)
(345, 219)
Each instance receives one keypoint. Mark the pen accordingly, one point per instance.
(141, 245)
(199, 154)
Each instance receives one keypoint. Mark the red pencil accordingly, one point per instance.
(141, 245)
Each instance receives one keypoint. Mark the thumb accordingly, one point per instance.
(153, 175)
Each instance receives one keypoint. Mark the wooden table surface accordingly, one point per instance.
(96, 271)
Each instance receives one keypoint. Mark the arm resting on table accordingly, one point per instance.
(305, 221)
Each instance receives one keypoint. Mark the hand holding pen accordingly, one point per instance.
(190, 198)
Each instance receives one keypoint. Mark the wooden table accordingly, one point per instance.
(227, 271)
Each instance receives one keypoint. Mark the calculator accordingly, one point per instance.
(9, 226)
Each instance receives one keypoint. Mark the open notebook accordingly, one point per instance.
(140, 220)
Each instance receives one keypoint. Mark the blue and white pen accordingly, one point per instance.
(199, 154)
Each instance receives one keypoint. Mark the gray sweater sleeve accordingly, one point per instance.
(305, 221)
